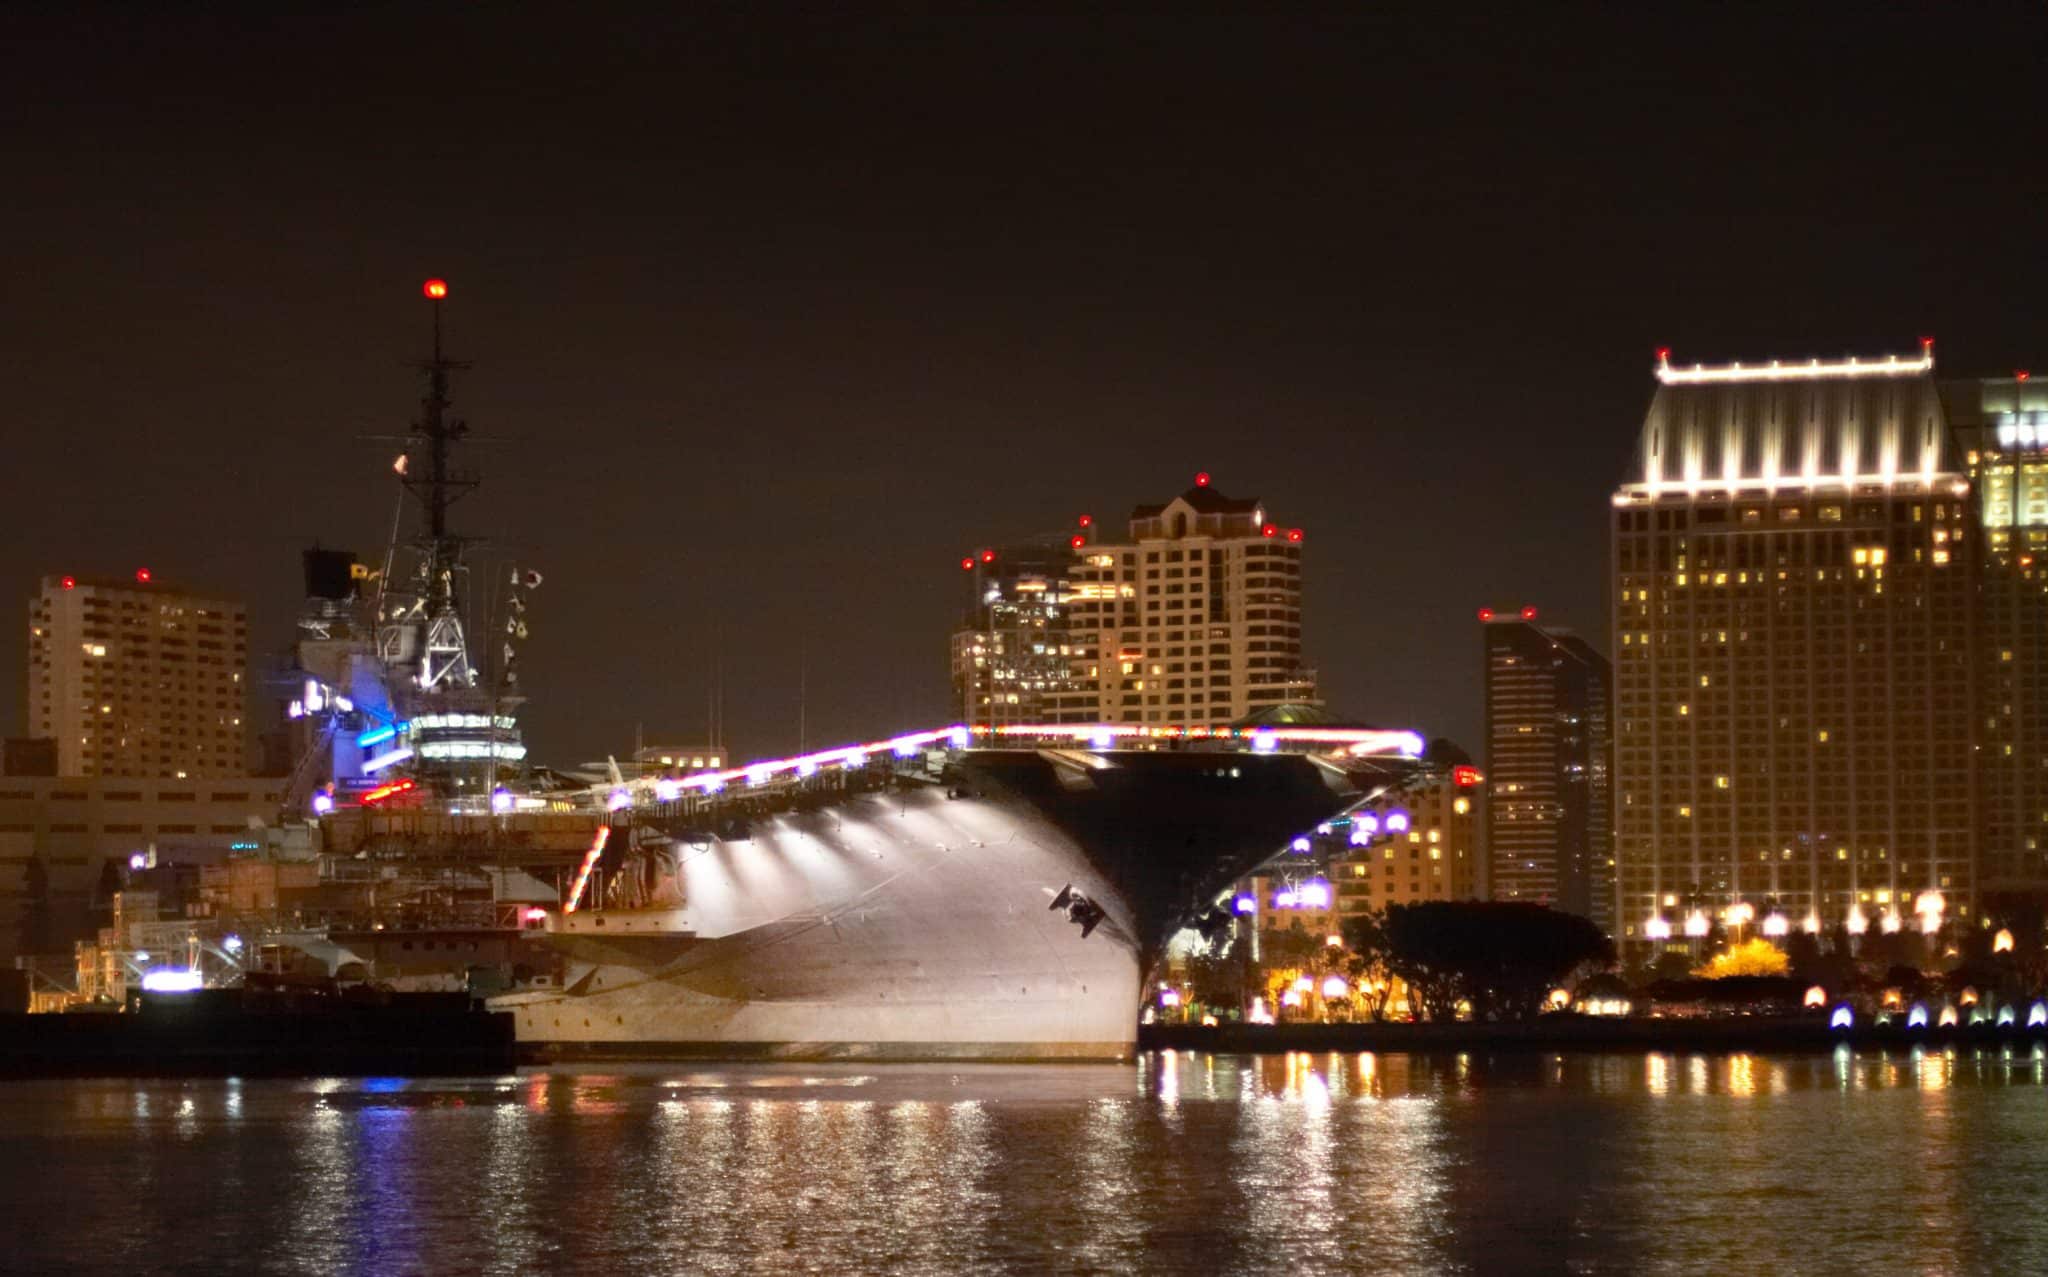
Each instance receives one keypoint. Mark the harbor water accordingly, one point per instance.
(1922, 1161)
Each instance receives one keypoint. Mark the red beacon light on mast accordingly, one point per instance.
(988, 556)
(1294, 535)
(1486, 614)
(1528, 613)
(68, 583)
(142, 576)
(435, 289)
(1270, 530)
(1077, 540)
(1202, 478)
(1087, 520)
(967, 564)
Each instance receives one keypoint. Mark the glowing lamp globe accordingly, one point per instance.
(1816, 996)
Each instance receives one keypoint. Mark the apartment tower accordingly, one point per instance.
(134, 678)
(1193, 620)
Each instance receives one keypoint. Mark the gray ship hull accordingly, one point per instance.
(914, 923)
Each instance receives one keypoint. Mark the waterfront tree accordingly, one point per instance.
(1365, 946)
(1502, 957)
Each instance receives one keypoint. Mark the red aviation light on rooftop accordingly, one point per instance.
(1528, 613)
(2021, 374)
(435, 289)
(1486, 614)
(1270, 530)
(1202, 478)
(1664, 356)
(1294, 534)
(967, 564)
(1087, 520)
(68, 583)
(988, 556)
(1077, 540)
(142, 576)
(1464, 776)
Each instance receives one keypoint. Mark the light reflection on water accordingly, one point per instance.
(1928, 1160)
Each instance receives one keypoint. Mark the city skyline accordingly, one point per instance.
(1316, 295)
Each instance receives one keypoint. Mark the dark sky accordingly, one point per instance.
(774, 320)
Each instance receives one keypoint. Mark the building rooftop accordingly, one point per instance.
(1204, 500)
(1793, 426)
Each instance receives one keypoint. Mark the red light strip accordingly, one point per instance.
(382, 792)
(583, 871)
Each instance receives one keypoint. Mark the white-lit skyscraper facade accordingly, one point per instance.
(1793, 602)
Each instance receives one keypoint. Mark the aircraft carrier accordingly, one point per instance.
(943, 895)
(962, 892)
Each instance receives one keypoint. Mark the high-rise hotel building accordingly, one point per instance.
(2001, 429)
(1793, 602)
(133, 678)
(1193, 620)
(1548, 752)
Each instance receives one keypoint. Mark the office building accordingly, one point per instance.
(1549, 802)
(1793, 600)
(1012, 652)
(2001, 429)
(134, 678)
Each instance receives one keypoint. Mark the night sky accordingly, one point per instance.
(774, 321)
